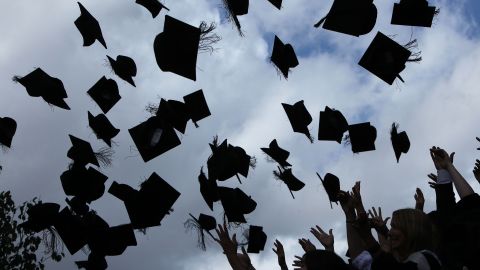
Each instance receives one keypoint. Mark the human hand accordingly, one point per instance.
(298, 263)
(244, 260)
(433, 184)
(229, 245)
(476, 170)
(306, 244)
(280, 253)
(419, 199)
(377, 222)
(325, 239)
(346, 202)
(357, 198)
(440, 158)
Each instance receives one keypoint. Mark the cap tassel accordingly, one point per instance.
(238, 177)
(321, 180)
(196, 125)
(207, 37)
(193, 224)
(400, 78)
(232, 17)
(322, 20)
(104, 156)
(415, 57)
(151, 108)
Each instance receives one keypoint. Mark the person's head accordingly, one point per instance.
(411, 231)
(323, 260)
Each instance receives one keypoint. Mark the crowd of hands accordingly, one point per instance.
(358, 219)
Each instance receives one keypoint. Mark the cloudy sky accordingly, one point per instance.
(437, 105)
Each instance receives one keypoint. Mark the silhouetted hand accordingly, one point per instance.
(377, 222)
(433, 184)
(476, 169)
(346, 201)
(298, 263)
(357, 198)
(228, 244)
(280, 254)
(244, 260)
(419, 199)
(306, 244)
(440, 158)
(325, 239)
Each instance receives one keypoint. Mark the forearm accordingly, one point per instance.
(461, 185)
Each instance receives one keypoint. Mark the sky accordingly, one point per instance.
(437, 105)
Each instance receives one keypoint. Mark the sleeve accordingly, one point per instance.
(363, 261)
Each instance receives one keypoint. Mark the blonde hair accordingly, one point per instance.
(416, 227)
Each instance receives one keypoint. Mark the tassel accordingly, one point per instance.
(104, 156)
(322, 20)
(207, 37)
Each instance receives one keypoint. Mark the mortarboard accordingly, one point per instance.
(176, 48)
(400, 141)
(362, 137)
(174, 113)
(283, 56)
(89, 27)
(227, 161)
(256, 239)
(292, 182)
(385, 58)
(86, 184)
(102, 127)
(81, 152)
(41, 216)
(276, 153)
(299, 117)
(8, 127)
(71, 229)
(153, 138)
(78, 205)
(413, 13)
(350, 17)
(95, 262)
(331, 183)
(105, 93)
(204, 222)
(154, 6)
(332, 125)
(236, 204)
(236, 8)
(124, 67)
(40, 84)
(208, 189)
(276, 3)
(196, 106)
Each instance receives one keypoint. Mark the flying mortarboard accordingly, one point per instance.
(89, 27)
(236, 204)
(227, 161)
(400, 141)
(86, 184)
(332, 125)
(208, 189)
(102, 127)
(292, 182)
(331, 183)
(81, 152)
(196, 106)
(78, 205)
(385, 58)
(299, 118)
(105, 93)
(362, 137)
(176, 48)
(8, 127)
(40, 84)
(95, 262)
(174, 113)
(276, 3)
(236, 8)
(256, 239)
(278, 154)
(350, 17)
(283, 56)
(153, 138)
(71, 229)
(204, 222)
(41, 216)
(154, 6)
(413, 13)
(124, 67)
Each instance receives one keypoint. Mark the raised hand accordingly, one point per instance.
(377, 222)
(306, 244)
(433, 184)
(280, 254)
(440, 158)
(325, 239)
(244, 260)
(476, 169)
(419, 199)
(298, 263)
(357, 198)
(229, 245)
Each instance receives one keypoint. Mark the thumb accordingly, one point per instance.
(451, 156)
(234, 239)
(330, 232)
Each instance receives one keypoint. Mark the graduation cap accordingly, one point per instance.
(385, 58)
(256, 239)
(78, 205)
(283, 57)
(87, 184)
(40, 84)
(331, 183)
(362, 137)
(413, 13)
(227, 161)
(354, 18)
(208, 189)
(154, 6)
(174, 113)
(236, 8)
(276, 153)
(196, 106)
(124, 67)
(147, 206)
(276, 3)
(94, 262)
(176, 48)
(203, 223)
(102, 127)
(299, 118)
(41, 216)
(81, 152)
(105, 93)
(71, 229)
(153, 138)
(292, 182)
(400, 141)
(236, 204)
(8, 127)
(89, 27)
(332, 125)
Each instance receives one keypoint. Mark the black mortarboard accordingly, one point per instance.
(332, 125)
(124, 67)
(102, 127)
(71, 229)
(119, 238)
(236, 8)
(413, 13)
(196, 106)
(81, 152)
(207, 222)
(256, 239)
(299, 118)
(174, 113)
(176, 48)
(283, 56)
(40, 84)
(276, 153)
(292, 182)
(105, 93)
(208, 189)
(226, 161)
(87, 184)
(8, 127)
(78, 205)
(89, 27)
(153, 138)
(350, 17)
(154, 6)
(276, 3)
(148, 206)
(331, 183)
(362, 137)
(236, 204)
(204, 222)
(41, 216)
(95, 262)
(400, 141)
(385, 58)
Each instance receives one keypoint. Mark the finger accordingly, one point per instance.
(478, 139)
(298, 257)
(234, 239)
(451, 156)
(375, 211)
(275, 251)
(386, 220)
(330, 232)
(370, 213)
(320, 229)
(379, 212)
(433, 177)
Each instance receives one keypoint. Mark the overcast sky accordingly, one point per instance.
(437, 105)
